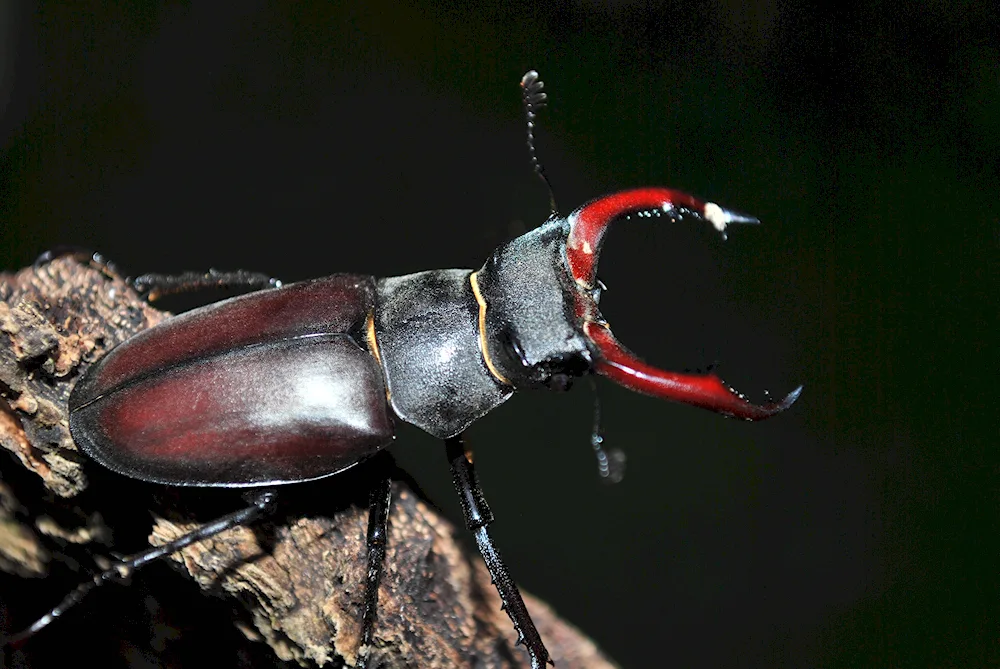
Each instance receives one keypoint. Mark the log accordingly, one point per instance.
(294, 582)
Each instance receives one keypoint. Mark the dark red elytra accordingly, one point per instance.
(271, 387)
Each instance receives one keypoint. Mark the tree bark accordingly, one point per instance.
(297, 578)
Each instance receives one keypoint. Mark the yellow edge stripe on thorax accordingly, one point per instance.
(372, 341)
(482, 331)
(373, 347)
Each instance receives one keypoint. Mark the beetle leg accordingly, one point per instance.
(377, 539)
(477, 517)
(155, 286)
(263, 503)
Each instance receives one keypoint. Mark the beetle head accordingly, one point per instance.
(543, 325)
(532, 335)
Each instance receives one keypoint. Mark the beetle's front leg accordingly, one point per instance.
(477, 517)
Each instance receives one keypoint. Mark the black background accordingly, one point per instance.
(303, 139)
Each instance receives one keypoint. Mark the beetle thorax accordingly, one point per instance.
(426, 326)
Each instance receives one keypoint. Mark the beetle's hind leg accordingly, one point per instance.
(155, 286)
(262, 503)
(477, 517)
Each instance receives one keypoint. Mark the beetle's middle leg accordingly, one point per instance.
(376, 540)
(262, 503)
(477, 517)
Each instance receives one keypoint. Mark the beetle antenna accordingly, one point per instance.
(610, 465)
(534, 98)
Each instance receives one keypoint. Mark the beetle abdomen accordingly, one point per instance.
(297, 398)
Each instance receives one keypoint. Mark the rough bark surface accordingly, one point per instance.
(297, 578)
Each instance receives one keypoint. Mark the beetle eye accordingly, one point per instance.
(518, 350)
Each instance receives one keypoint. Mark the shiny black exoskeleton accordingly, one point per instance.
(301, 382)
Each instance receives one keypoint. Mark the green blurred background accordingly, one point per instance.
(308, 138)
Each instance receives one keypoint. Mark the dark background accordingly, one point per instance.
(301, 139)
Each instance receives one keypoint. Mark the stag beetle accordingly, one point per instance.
(302, 381)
